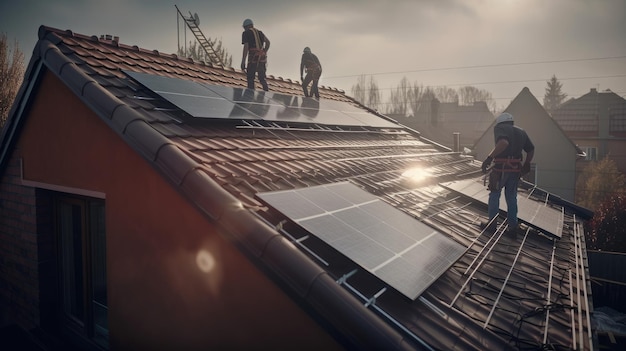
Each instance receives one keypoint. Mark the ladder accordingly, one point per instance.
(192, 22)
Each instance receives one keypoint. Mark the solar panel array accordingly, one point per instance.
(533, 213)
(203, 100)
(401, 251)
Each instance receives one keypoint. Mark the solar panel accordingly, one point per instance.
(202, 100)
(401, 251)
(533, 213)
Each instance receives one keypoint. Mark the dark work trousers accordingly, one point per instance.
(314, 76)
(253, 69)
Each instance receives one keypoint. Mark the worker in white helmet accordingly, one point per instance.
(311, 64)
(508, 167)
(255, 47)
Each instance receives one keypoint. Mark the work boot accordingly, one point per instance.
(488, 228)
(511, 232)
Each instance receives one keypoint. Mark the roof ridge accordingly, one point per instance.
(59, 35)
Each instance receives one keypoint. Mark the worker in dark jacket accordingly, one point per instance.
(311, 63)
(508, 167)
(255, 47)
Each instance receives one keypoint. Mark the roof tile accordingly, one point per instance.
(220, 166)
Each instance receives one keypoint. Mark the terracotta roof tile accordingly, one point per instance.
(221, 165)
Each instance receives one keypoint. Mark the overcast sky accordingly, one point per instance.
(500, 46)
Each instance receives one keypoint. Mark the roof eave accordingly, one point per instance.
(262, 243)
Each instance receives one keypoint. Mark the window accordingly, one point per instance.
(81, 260)
(591, 152)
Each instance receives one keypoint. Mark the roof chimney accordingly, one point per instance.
(109, 37)
(457, 142)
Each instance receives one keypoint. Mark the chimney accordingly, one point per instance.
(456, 137)
(109, 38)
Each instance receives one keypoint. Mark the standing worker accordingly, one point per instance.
(313, 72)
(255, 47)
(508, 167)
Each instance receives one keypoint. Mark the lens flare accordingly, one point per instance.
(205, 261)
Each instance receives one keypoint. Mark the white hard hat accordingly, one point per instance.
(247, 22)
(504, 117)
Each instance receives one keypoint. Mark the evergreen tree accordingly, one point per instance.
(554, 95)
(11, 75)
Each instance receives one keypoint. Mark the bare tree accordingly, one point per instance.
(469, 94)
(374, 96)
(367, 92)
(197, 53)
(359, 90)
(445, 94)
(399, 99)
(607, 229)
(415, 98)
(11, 75)
(554, 97)
(597, 182)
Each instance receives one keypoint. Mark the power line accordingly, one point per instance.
(481, 66)
(513, 81)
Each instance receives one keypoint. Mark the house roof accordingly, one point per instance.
(470, 121)
(582, 114)
(528, 292)
(526, 108)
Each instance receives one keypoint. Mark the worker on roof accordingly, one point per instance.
(255, 47)
(508, 167)
(311, 64)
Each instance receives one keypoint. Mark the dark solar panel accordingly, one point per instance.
(533, 213)
(203, 100)
(403, 252)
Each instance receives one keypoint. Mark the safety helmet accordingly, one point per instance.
(307, 49)
(247, 22)
(504, 117)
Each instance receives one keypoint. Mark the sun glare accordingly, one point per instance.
(416, 174)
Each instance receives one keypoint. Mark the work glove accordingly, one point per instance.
(486, 163)
(243, 66)
(525, 168)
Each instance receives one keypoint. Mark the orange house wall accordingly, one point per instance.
(158, 296)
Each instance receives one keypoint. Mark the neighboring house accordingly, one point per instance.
(451, 124)
(554, 164)
(596, 122)
(150, 202)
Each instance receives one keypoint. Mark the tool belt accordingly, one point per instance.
(508, 164)
(257, 56)
(313, 68)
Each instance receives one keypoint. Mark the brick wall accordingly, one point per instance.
(19, 286)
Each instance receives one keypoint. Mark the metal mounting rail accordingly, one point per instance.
(548, 302)
(506, 280)
(371, 303)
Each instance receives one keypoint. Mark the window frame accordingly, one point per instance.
(76, 234)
